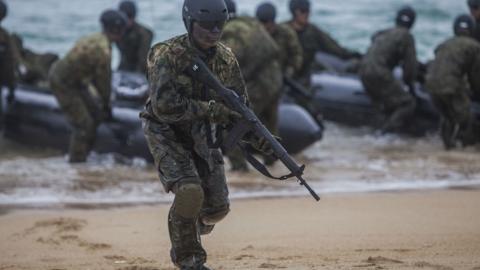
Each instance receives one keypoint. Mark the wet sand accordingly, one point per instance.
(415, 230)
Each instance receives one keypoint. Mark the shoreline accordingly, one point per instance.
(11, 207)
(437, 230)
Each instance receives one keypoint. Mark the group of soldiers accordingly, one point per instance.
(85, 67)
(452, 78)
(251, 56)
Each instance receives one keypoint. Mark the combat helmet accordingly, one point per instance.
(464, 25)
(266, 12)
(113, 21)
(129, 8)
(406, 17)
(473, 4)
(3, 10)
(303, 5)
(231, 7)
(210, 13)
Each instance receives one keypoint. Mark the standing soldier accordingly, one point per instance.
(389, 49)
(135, 43)
(7, 62)
(88, 63)
(257, 54)
(290, 56)
(474, 6)
(178, 119)
(313, 40)
(454, 71)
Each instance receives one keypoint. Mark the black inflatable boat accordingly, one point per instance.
(340, 97)
(35, 119)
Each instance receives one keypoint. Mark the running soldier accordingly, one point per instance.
(180, 116)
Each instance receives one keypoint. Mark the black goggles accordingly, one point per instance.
(304, 10)
(211, 25)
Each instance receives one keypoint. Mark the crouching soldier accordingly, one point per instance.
(390, 48)
(88, 63)
(456, 60)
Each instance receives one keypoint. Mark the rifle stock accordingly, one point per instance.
(202, 73)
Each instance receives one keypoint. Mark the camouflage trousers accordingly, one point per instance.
(387, 94)
(458, 123)
(1, 108)
(201, 193)
(81, 118)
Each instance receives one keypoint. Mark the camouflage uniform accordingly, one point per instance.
(134, 47)
(455, 59)
(291, 52)
(477, 31)
(7, 66)
(257, 54)
(32, 67)
(176, 124)
(314, 40)
(88, 63)
(389, 49)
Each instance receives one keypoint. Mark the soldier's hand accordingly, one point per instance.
(289, 72)
(107, 113)
(264, 146)
(220, 114)
(357, 55)
(11, 97)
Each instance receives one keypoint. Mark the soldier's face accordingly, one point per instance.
(206, 38)
(475, 11)
(302, 16)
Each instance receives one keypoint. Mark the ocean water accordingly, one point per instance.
(347, 160)
(54, 25)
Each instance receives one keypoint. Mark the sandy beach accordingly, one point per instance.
(415, 230)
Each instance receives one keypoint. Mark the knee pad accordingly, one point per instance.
(188, 200)
(215, 217)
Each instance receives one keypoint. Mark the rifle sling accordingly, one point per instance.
(247, 152)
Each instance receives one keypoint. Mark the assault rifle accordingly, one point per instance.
(247, 125)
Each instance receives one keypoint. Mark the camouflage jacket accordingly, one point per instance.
(178, 103)
(456, 59)
(291, 52)
(391, 48)
(251, 44)
(314, 40)
(88, 62)
(7, 60)
(33, 68)
(134, 47)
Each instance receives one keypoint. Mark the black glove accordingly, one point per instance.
(357, 55)
(220, 114)
(11, 96)
(107, 113)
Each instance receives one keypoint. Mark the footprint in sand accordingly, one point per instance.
(382, 260)
(244, 256)
(61, 225)
(431, 266)
(62, 231)
(270, 266)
